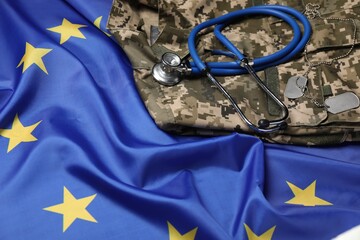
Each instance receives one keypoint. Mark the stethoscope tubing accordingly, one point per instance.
(295, 46)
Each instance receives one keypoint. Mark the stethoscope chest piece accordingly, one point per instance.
(166, 72)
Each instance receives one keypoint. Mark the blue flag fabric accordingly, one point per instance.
(80, 158)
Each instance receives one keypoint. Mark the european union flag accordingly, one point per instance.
(80, 158)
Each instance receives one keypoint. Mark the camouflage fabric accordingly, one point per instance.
(146, 29)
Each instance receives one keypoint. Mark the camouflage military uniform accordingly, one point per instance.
(146, 29)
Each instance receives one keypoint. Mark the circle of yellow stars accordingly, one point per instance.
(72, 208)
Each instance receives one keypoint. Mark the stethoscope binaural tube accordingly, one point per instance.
(287, 14)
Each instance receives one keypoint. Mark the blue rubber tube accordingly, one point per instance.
(287, 14)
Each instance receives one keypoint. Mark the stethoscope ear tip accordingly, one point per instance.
(263, 123)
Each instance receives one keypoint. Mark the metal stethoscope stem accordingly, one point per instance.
(171, 69)
(264, 125)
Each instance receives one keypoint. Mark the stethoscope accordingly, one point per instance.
(172, 68)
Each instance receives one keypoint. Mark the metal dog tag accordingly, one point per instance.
(342, 102)
(295, 87)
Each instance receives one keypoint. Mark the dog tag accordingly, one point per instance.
(342, 102)
(295, 87)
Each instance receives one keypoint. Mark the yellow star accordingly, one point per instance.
(306, 197)
(175, 235)
(18, 133)
(265, 236)
(73, 208)
(68, 30)
(33, 55)
(97, 24)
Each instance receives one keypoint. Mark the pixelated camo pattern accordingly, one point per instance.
(194, 106)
